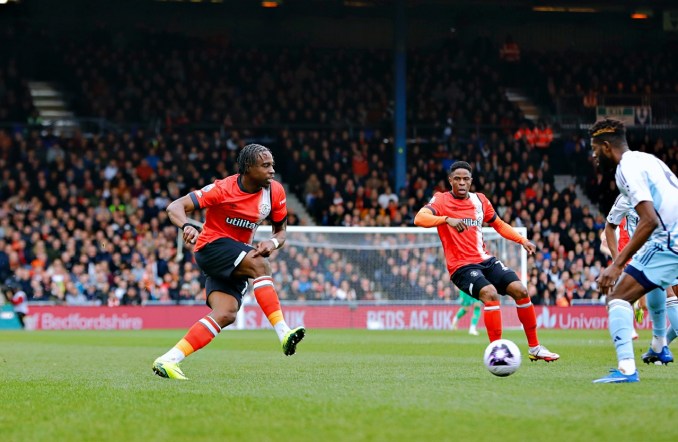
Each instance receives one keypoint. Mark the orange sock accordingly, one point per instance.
(267, 298)
(492, 318)
(528, 318)
(199, 335)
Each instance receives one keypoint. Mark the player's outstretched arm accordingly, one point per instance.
(511, 234)
(426, 218)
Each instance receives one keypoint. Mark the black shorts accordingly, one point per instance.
(473, 277)
(218, 260)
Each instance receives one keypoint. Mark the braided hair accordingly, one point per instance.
(249, 155)
(612, 131)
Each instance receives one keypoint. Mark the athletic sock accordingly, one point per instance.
(528, 318)
(268, 300)
(672, 314)
(627, 366)
(198, 336)
(620, 314)
(656, 306)
(671, 335)
(658, 343)
(492, 318)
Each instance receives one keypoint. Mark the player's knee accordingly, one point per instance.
(253, 267)
(656, 300)
(261, 267)
(610, 297)
(518, 292)
(488, 294)
(224, 317)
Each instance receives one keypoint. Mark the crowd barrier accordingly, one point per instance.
(375, 317)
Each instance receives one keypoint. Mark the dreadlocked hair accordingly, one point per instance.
(249, 155)
(608, 130)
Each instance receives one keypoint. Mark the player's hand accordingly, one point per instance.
(190, 234)
(608, 277)
(457, 224)
(530, 247)
(264, 248)
(603, 240)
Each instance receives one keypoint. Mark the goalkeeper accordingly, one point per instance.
(468, 301)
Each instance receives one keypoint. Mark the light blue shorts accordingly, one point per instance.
(654, 265)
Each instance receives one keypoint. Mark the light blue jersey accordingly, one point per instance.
(644, 177)
(622, 209)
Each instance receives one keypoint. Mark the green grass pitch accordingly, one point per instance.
(343, 385)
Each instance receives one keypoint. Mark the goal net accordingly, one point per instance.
(343, 272)
(373, 263)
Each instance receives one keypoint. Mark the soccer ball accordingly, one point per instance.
(502, 357)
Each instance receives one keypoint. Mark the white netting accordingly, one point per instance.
(372, 263)
(368, 277)
(367, 264)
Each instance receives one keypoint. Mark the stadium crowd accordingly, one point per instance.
(82, 218)
(575, 82)
(177, 81)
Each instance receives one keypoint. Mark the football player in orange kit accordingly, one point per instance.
(235, 205)
(459, 216)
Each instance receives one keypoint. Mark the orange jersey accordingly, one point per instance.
(624, 237)
(234, 213)
(468, 246)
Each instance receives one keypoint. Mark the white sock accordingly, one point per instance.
(174, 355)
(281, 328)
(627, 366)
(658, 343)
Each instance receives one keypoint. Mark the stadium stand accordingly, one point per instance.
(82, 216)
(573, 83)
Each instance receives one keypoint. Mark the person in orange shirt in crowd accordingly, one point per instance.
(144, 170)
(525, 134)
(561, 300)
(360, 164)
(590, 99)
(510, 51)
(543, 135)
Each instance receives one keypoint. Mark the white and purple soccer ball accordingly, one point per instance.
(502, 357)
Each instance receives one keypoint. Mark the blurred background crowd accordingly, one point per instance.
(156, 114)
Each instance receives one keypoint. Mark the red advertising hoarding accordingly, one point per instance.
(383, 317)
